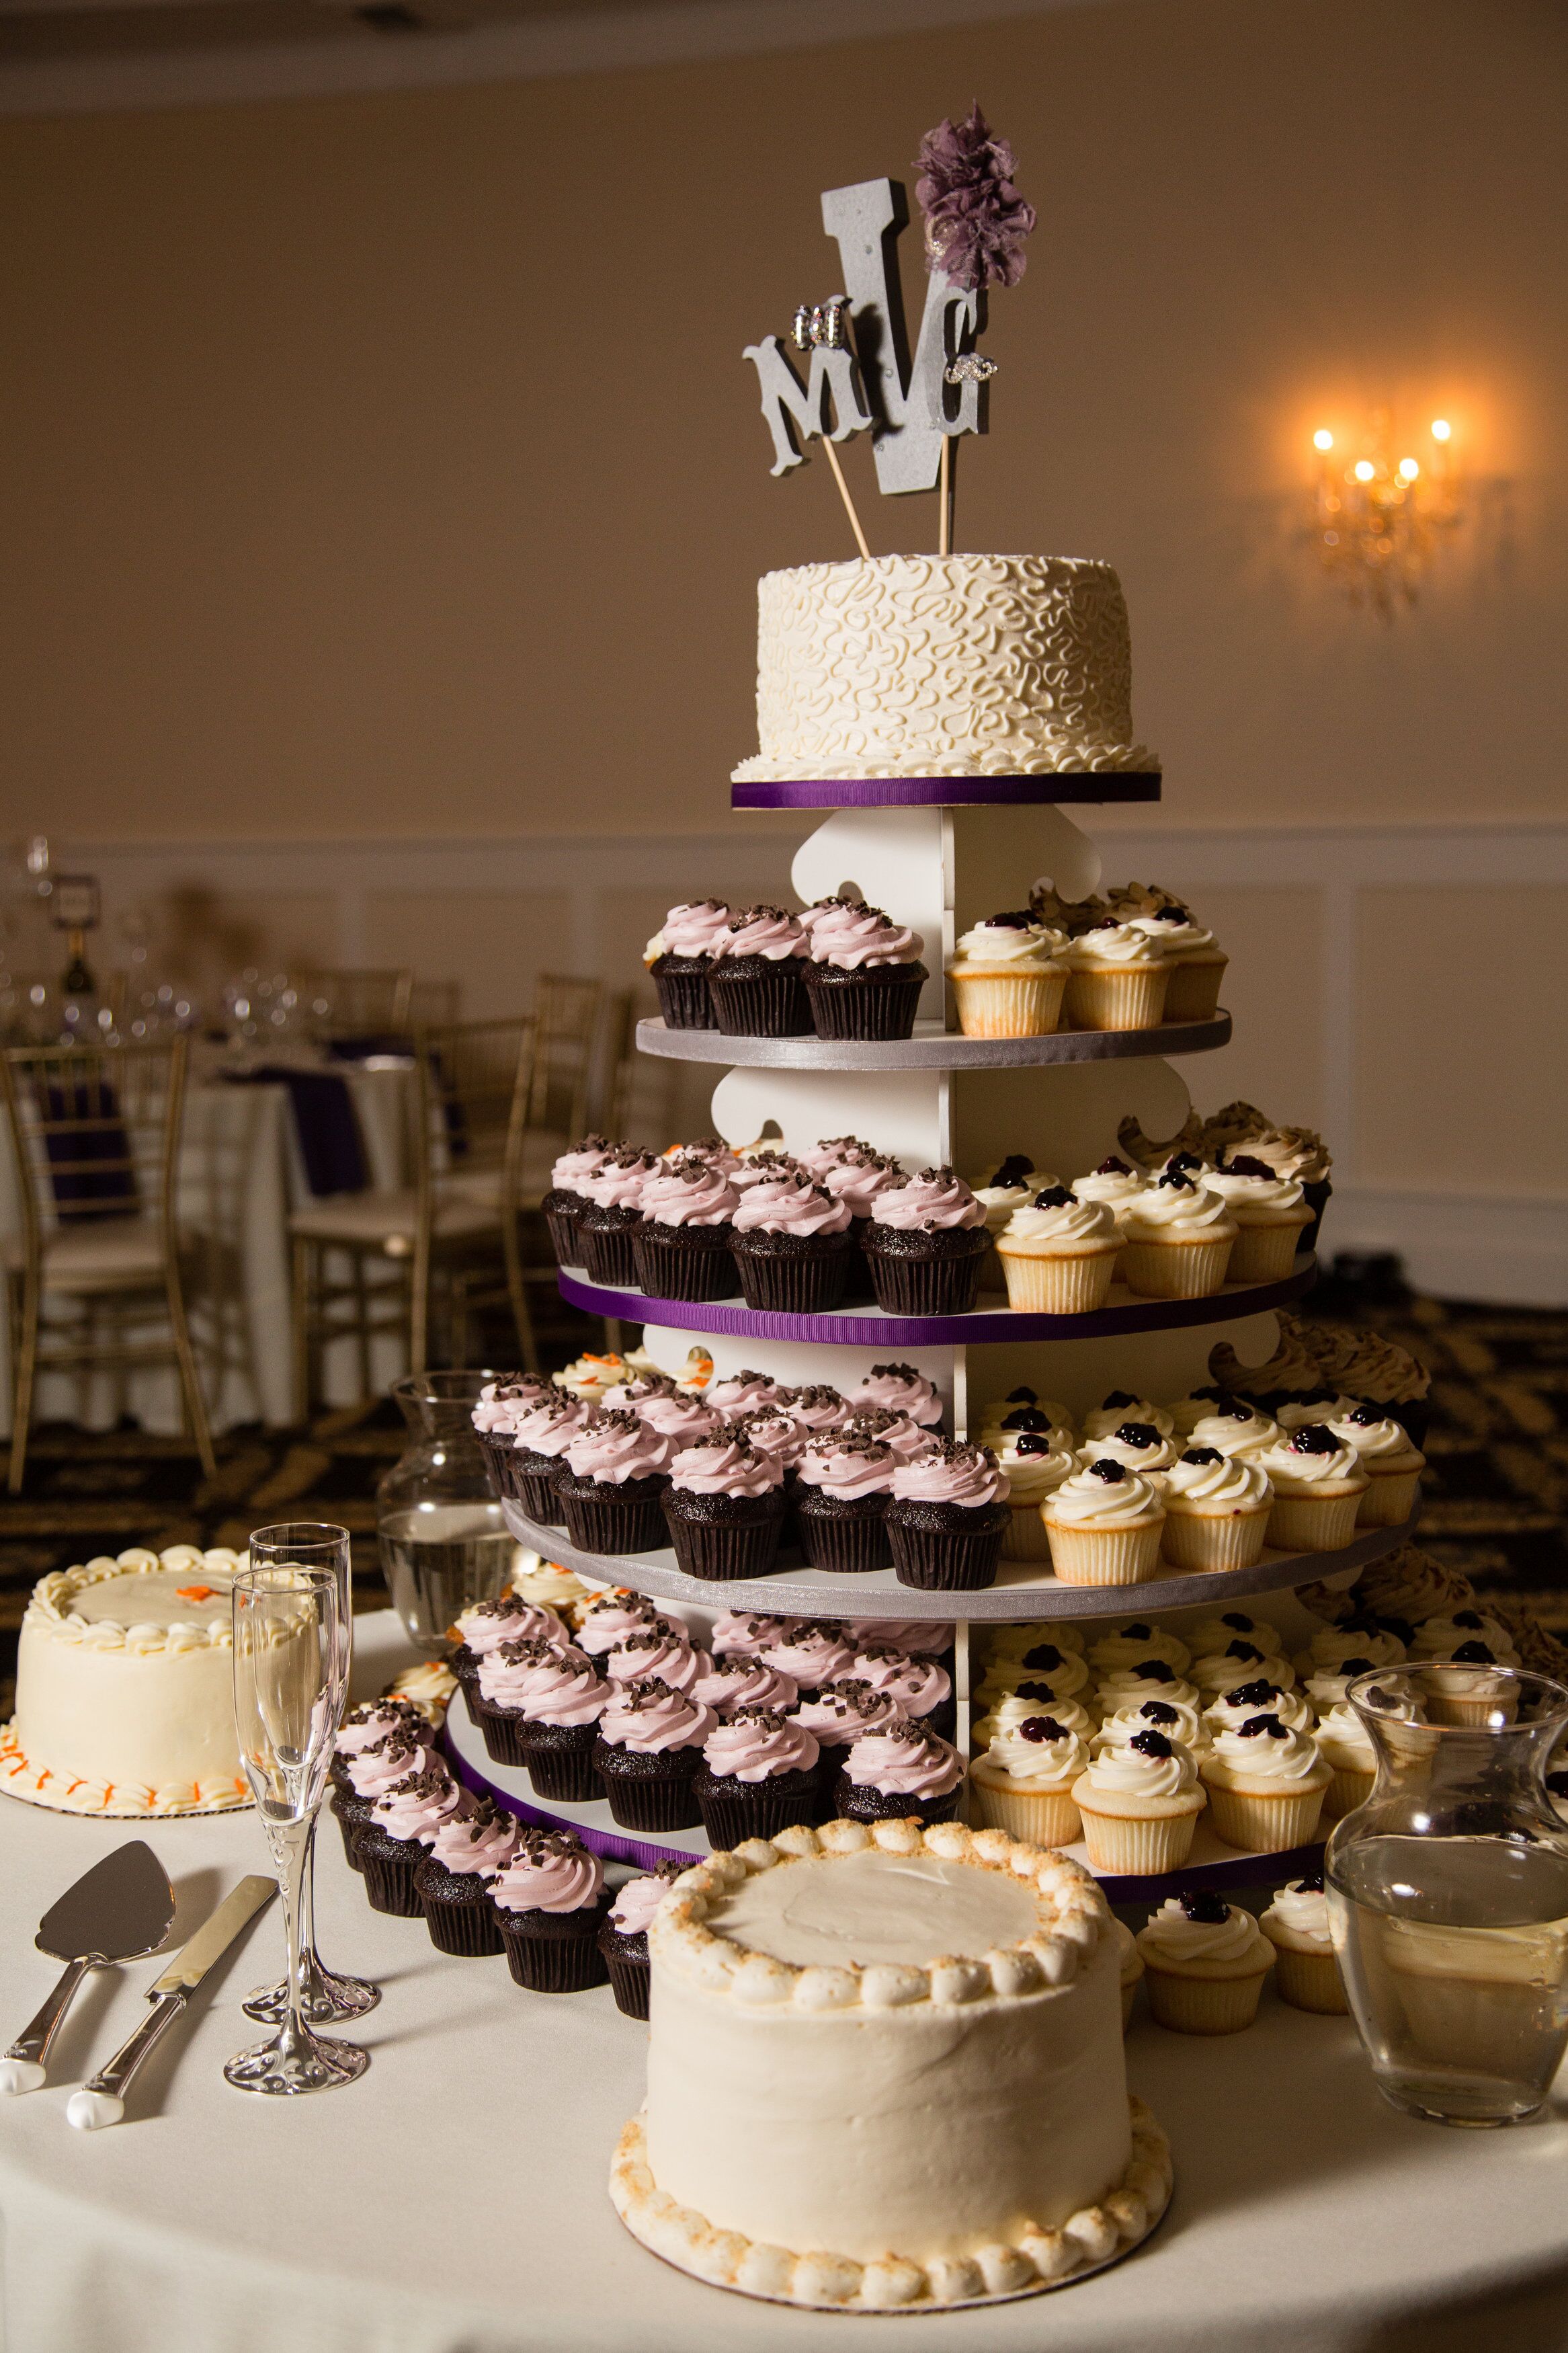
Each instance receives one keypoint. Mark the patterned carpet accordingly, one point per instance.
(1496, 1489)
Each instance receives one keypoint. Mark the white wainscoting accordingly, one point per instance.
(1324, 1014)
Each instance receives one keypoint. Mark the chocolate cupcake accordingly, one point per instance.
(565, 1201)
(678, 959)
(865, 975)
(671, 1413)
(792, 1246)
(550, 1904)
(610, 1214)
(649, 1745)
(609, 1618)
(539, 1440)
(749, 1633)
(841, 1504)
(501, 1406)
(811, 1651)
(370, 1772)
(367, 1725)
(921, 1689)
(539, 1708)
(623, 1939)
(837, 1715)
(900, 1770)
(925, 1245)
(758, 1776)
(724, 1508)
(856, 1178)
(730, 1683)
(452, 1880)
(900, 1389)
(484, 1626)
(611, 1485)
(662, 1650)
(681, 1249)
(745, 1392)
(390, 1846)
(755, 976)
(947, 1519)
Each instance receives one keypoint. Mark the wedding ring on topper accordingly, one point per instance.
(969, 367)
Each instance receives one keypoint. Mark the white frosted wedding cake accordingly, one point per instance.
(944, 666)
(885, 2071)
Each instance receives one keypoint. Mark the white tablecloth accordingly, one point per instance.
(454, 2201)
(240, 1175)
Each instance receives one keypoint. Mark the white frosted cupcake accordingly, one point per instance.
(1024, 1782)
(1392, 1462)
(1008, 1186)
(1178, 1719)
(1179, 1238)
(1137, 1446)
(1266, 1783)
(1114, 1184)
(1046, 1416)
(1117, 978)
(1118, 1406)
(1216, 1510)
(1204, 1961)
(1305, 1970)
(1043, 1668)
(1011, 1642)
(1140, 1679)
(1058, 1254)
(1318, 1486)
(1238, 1705)
(1210, 1635)
(1034, 1469)
(1466, 1689)
(1439, 1638)
(1007, 1715)
(1008, 978)
(1197, 961)
(1140, 1802)
(1271, 1215)
(1104, 1526)
(1240, 1661)
(1233, 1428)
(1333, 1646)
(1133, 1639)
(1347, 1750)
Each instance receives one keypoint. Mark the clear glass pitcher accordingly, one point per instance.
(1448, 1891)
(444, 1542)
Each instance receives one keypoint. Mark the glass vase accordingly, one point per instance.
(444, 1542)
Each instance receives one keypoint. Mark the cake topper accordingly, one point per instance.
(861, 378)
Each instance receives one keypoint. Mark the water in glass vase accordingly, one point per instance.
(1453, 1953)
(440, 1556)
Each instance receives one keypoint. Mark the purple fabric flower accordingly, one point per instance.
(975, 219)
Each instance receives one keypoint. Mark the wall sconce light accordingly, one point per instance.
(1378, 521)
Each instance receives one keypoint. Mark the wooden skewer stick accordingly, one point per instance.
(945, 494)
(848, 502)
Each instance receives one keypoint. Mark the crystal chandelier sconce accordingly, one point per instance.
(1378, 520)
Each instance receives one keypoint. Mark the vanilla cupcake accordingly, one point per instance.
(1242, 1702)
(1177, 1719)
(1392, 1464)
(1345, 1744)
(1318, 1486)
(1235, 1428)
(1179, 1239)
(1196, 959)
(1024, 1782)
(1210, 1635)
(1104, 1526)
(1188, 1411)
(1140, 1803)
(1440, 1638)
(1143, 1679)
(1009, 1713)
(1129, 1968)
(1114, 1185)
(1011, 1640)
(1043, 1667)
(1135, 1639)
(1270, 1214)
(1216, 1510)
(1034, 1469)
(1468, 1688)
(1117, 1406)
(1048, 1419)
(1305, 1970)
(1117, 978)
(1361, 1638)
(1008, 978)
(1138, 1446)
(1007, 1187)
(1204, 1961)
(1266, 1783)
(1240, 1661)
(1058, 1254)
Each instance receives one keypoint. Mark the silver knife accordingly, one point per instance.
(101, 2101)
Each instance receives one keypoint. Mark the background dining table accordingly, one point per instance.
(455, 2199)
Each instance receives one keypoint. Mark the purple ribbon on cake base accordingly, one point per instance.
(941, 792)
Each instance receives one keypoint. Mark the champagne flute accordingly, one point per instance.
(326, 1998)
(289, 1684)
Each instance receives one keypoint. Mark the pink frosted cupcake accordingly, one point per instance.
(367, 1771)
(756, 976)
(607, 1620)
(728, 1683)
(539, 1439)
(680, 957)
(611, 1484)
(453, 1879)
(537, 1706)
(495, 1416)
(485, 1625)
(681, 1249)
(749, 1633)
(403, 1819)
(610, 1214)
(925, 1245)
(670, 1412)
(811, 1651)
(921, 1688)
(947, 1519)
(815, 1409)
(902, 1770)
(550, 1904)
(859, 1180)
(845, 1483)
(900, 1389)
(758, 1776)
(724, 1507)
(623, 1939)
(773, 1429)
(903, 1438)
(734, 1394)
(565, 1201)
(864, 976)
(792, 1246)
(837, 1715)
(650, 1740)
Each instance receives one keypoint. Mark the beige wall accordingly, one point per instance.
(328, 512)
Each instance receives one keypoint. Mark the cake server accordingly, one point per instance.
(116, 1912)
(101, 2100)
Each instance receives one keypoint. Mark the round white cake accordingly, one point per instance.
(125, 1688)
(944, 666)
(885, 2069)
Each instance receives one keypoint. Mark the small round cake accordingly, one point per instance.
(125, 1688)
(944, 666)
(885, 2072)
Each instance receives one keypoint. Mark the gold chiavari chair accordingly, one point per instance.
(359, 1002)
(444, 1248)
(95, 1133)
(567, 1012)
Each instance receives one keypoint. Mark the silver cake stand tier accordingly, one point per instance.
(931, 1047)
(1024, 1589)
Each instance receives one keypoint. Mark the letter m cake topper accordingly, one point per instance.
(976, 224)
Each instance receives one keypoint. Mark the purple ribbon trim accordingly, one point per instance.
(942, 792)
(612, 1846)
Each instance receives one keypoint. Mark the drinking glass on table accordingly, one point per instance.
(289, 1684)
(326, 1997)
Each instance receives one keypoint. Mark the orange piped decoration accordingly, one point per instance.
(196, 1592)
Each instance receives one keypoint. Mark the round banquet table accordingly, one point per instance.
(454, 2201)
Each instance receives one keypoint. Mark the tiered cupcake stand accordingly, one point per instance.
(939, 866)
